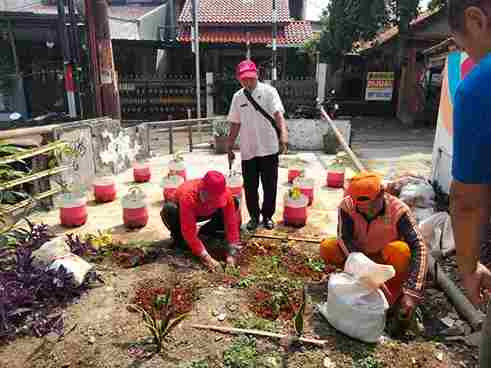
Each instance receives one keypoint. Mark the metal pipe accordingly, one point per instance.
(275, 35)
(462, 304)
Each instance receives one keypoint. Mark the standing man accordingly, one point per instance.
(257, 114)
(470, 194)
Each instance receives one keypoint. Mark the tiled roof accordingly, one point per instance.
(392, 32)
(293, 34)
(236, 11)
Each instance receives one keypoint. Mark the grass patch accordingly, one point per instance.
(242, 353)
(368, 362)
(250, 322)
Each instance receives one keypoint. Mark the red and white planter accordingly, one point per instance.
(73, 210)
(295, 212)
(170, 185)
(104, 190)
(177, 168)
(335, 178)
(306, 186)
(141, 173)
(135, 212)
(293, 173)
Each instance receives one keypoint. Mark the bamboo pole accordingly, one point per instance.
(240, 331)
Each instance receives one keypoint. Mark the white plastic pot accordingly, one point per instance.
(135, 212)
(170, 185)
(306, 186)
(295, 211)
(73, 210)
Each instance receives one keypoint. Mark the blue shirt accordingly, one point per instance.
(472, 126)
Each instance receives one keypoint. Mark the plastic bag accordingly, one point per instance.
(56, 253)
(421, 214)
(418, 194)
(355, 304)
(438, 233)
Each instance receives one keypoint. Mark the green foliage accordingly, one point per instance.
(160, 329)
(368, 362)
(437, 4)
(196, 364)
(348, 21)
(317, 265)
(242, 354)
(246, 282)
(251, 322)
(298, 320)
(221, 128)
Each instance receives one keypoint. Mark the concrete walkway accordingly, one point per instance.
(322, 215)
(382, 145)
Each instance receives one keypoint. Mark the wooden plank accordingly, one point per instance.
(40, 196)
(28, 179)
(30, 153)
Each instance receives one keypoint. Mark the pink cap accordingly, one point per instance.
(246, 69)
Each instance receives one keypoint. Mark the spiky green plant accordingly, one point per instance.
(160, 325)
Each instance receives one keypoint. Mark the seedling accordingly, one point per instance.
(298, 321)
(160, 324)
(317, 265)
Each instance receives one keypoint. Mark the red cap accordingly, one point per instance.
(246, 69)
(215, 185)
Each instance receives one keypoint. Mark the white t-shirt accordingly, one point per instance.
(257, 136)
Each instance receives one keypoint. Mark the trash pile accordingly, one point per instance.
(41, 274)
(418, 193)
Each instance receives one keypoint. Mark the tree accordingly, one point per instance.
(347, 21)
(437, 4)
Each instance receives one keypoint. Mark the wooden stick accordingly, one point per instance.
(238, 331)
(341, 140)
(286, 238)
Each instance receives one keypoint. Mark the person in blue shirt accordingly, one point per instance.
(470, 194)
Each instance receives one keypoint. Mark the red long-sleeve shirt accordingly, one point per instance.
(192, 207)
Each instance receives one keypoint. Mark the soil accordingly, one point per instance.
(106, 334)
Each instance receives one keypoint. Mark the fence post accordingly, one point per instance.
(321, 81)
(209, 95)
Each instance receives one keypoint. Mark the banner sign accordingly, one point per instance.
(380, 86)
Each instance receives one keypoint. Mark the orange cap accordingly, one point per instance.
(365, 187)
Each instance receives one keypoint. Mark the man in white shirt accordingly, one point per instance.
(256, 113)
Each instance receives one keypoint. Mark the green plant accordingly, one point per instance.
(160, 324)
(69, 155)
(196, 364)
(246, 282)
(316, 264)
(368, 362)
(242, 353)
(251, 322)
(298, 321)
(221, 128)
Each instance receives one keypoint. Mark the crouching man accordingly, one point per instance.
(382, 227)
(197, 201)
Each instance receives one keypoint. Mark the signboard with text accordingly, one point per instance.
(380, 86)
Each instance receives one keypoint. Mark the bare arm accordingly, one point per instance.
(470, 217)
(281, 124)
(234, 132)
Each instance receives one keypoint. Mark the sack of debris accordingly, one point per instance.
(56, 253)
(438, 234)
(355, 304)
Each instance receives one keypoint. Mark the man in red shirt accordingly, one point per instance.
(200, 200)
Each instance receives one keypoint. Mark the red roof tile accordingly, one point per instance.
(293, 34)
(237, 11)
(392, 32)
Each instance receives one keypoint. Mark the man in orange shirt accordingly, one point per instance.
(200, 200)
(382, 227)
